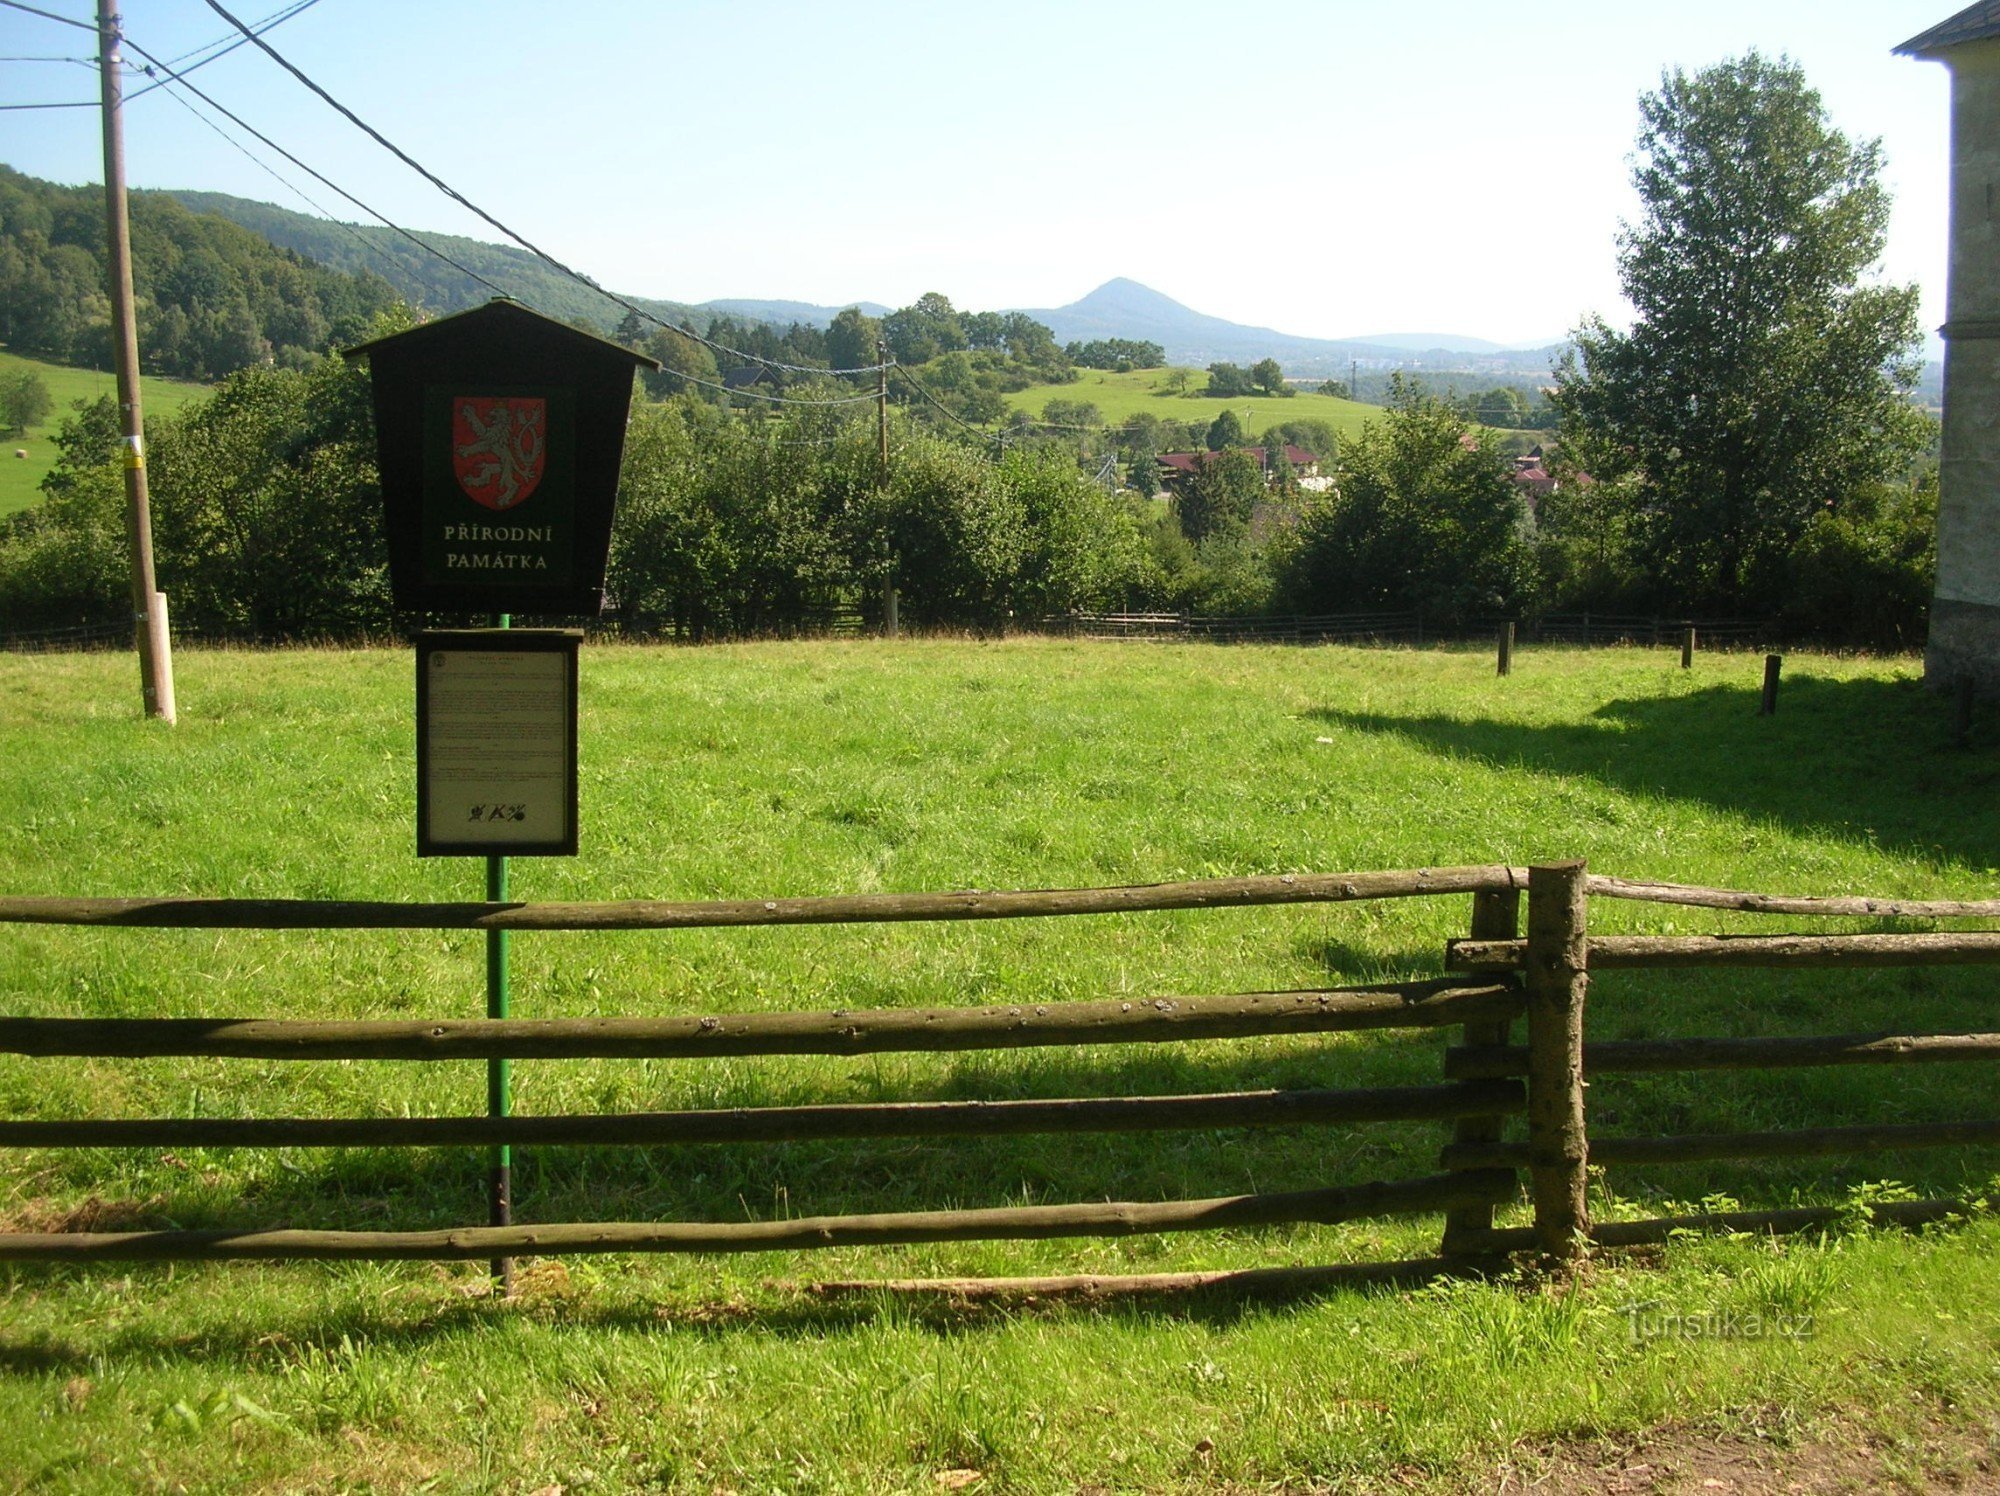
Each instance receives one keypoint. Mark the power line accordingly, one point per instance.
(243, 124)
(360, 238)
(88, 62)
(49, 15)
(470, 206)
(236, 41)
(269, 23)
(998, 439)
(72, 104)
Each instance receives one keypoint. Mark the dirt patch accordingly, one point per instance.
(1690, 1462)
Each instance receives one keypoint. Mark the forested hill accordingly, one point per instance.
(424, 280)
(213, 297)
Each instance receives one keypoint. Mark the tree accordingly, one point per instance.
(1421, 521)
(851, 340)
(1269, 377)
(683, 361)
(1224, 432)
(24, 400)
(1226, 381)
(1219, 496)
(924, 329)
(1763, 381)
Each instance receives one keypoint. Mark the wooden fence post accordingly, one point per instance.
(1558, 1148)
(1495, 916)
(1768, 707)
(1507, 648)
(1687, 647)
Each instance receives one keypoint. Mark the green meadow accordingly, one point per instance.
(1122, 397)
(20, 477)
(842, 767)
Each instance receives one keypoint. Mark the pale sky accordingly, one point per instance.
(1328, 167)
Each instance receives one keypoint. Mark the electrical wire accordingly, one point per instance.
(49, 15)
(998, 439)
(72, 104)
(236, 41)
(255, 160)
(541, 254)
(243, 124)
(269, 23)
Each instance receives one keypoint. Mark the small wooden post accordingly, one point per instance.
(1961, 723)
(1507, 648)
(1557, 979)
(1495, 916)
(1687, 646)
(1772, 665)
(892, 624)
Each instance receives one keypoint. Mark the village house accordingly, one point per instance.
(1174, 466)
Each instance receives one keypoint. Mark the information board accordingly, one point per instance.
(496, 742)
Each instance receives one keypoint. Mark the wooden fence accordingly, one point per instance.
(1534, 983)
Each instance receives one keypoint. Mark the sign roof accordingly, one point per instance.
(506, 309)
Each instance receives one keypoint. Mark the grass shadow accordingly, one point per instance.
(1866, 760)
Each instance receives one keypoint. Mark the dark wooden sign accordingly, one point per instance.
(500, 433)
(496, 742)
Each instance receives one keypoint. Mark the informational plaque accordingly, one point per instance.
(496, 742)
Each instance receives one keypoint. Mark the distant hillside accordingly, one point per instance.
(1125, 309)
(422, 279)
(784, 313)
(213, 295)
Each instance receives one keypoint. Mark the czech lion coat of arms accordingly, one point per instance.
(499, 444)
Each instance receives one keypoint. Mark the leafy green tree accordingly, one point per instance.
(1762, 383)
(266, 506)
(1503, 406)
(851, 339)
(1225, 432)
(924, 329)
(1269, 377)
(1227, 381)
(24, 400)
(955, 533)
(1421, 521)
(1308, 432)
(62, 563)
(1081, 547)
(1219, 496)
(683, 361)
(1079, 413)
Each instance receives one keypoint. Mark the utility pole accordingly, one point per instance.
(891, 625)
(149, 605)
(882, 410)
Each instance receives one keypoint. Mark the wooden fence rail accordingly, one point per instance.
(1488, 1079)
(660, 914)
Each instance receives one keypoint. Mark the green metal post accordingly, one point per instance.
(499, 1072)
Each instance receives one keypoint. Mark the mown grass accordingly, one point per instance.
(790, 769)
(21, 477)
(1121, 397)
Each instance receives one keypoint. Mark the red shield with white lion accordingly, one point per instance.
(499, 444)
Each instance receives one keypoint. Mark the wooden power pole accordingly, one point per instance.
(149, 605)
(891, 625)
